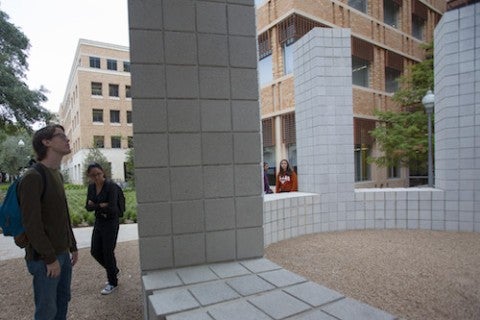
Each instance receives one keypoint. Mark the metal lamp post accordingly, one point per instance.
(428, 102)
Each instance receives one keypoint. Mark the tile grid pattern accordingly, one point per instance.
(197, 131)
(249, 289)
(457, 116)
(324, 121)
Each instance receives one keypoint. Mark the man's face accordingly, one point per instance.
(59, 142)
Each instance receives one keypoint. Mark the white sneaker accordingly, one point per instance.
(108, 289)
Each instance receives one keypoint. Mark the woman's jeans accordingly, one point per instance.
(51, 295)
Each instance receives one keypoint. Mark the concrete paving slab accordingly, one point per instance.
(278, 304)
(282, 277)
(313, 315)
(238, 310)
(190, 315)
(229, 269)
(349, 309)
(171, 301)
(213, 292)
(155, 280)
(248, 285)
(260, 265)
(196, 274)
(313, 293)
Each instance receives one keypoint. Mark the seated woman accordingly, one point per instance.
(286, 178)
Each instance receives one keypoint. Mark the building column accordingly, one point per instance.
(197, 131)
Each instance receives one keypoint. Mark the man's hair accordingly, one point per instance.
(46, 132)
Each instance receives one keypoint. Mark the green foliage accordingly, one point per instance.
(77, 196)
(95, 155)
(418, 79)
(402, 137)
(130, 164)
(14, 156)
(20, 107)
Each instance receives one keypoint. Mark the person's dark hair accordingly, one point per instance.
(289, 169)
(47, 133)
(94, 165)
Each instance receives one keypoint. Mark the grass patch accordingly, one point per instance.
(77, 197)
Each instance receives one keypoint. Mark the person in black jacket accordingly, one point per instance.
(102, 198)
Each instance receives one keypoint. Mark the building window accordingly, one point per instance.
(130, 141)
(265, 66)
(393, 172)
(114, 116)
(116, 142)
(129, 116)
(363, 142)
(419, 16)
(98, 141)
(287, 58)
(360, 5)
(96, 88)
(391, 79)
(126, 66)
(113, 90)
(95, 62)
(288, 128)
(360, 72)
(290, 30)
(391, 9)
(393, 70)
(418, 27)
(97, 115)
(128, 94)
(112, 64)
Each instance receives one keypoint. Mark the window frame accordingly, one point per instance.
(96, 112)
(112, 64)
(96, 91)
(95, 62)
(126, 66)
(116, 142)
(114, 114)
(113, 90)
(99, 142)
(362, 64)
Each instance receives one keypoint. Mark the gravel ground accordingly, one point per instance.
(411, 274)
(408, 273)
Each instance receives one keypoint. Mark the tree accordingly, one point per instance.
(95, 155)
(15, 153)
(20, 107)
(403, 136)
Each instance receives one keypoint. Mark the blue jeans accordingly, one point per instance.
(51, 295)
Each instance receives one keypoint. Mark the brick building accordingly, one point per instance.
(96, 108)
(386, 39)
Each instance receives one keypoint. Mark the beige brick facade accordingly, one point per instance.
(77, 108)
(277, 96)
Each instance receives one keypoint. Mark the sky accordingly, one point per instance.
(54, 28)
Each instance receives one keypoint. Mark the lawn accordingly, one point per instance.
(76, 195)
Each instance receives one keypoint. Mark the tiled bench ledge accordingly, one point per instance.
(288, 215)
(256, 289)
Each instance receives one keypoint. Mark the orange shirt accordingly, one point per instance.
(286, 183)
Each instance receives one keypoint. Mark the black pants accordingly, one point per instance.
(104, 240)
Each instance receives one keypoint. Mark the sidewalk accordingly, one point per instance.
(8, 249)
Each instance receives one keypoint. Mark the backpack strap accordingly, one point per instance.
(40, 170)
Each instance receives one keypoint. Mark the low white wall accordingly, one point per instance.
(288, 215)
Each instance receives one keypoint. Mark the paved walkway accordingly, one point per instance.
(8, 249)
